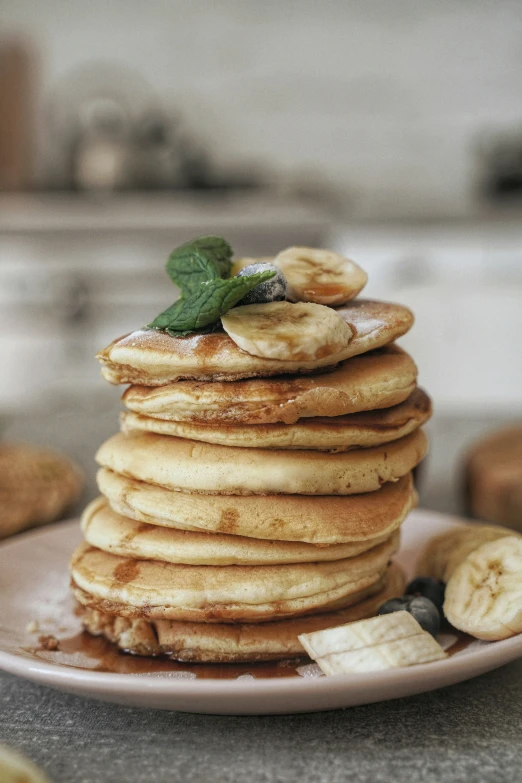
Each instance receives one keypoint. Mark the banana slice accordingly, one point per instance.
(361, 634)
(281, 330)
(320, 276)
(421, 648)
(445, 552)
(484, 593)
(378, 643)
(241, 263)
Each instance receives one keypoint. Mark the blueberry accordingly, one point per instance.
(274, 290)
(394, 605)
(426, 613)
(422, 609)
(428, 588)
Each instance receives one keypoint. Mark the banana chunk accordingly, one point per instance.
(378, 643)
(356, 636)
(484, 593)
(285, 331)
(320, 276)
(421, 648)
(445, 552)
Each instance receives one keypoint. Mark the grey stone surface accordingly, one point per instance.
(469, 733)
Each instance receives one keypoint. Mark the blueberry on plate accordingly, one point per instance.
(427, 587)
(394, 605)
(274, 290)
(422, 609)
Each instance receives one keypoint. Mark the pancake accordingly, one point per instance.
(314, 519)
(168, 591)
(105, 529)
(225, 643)
(378, 379)
(153, 358)
(191, 466)
(338, 433)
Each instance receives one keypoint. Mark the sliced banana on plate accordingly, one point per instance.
(421, 648)
(320, 276)
(446, 551)
(384, 642)
(286, 331)
(484, 593)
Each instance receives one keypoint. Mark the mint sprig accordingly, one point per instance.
(206, 304)
(201, 269)
(198, 261)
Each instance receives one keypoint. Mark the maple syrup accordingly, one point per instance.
(100, 655)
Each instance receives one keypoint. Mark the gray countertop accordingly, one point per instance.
(467, 733)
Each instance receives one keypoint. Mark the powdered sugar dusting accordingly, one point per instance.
(309, 670)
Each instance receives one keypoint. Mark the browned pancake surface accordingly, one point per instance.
(154, 358)
(216, 642)
(169, 591)
(314, 519)
(374, 380)
(335, 433)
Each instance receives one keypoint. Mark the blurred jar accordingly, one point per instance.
(102, 154)
(157, 158)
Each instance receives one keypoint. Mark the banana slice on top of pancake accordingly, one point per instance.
(281, 330)
(154, 358)
(320, 276)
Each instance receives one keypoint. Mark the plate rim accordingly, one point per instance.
(456, 668)
(135, 684)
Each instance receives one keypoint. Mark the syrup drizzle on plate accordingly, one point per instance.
(95, 653)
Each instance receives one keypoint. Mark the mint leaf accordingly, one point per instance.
(207, 303)
(200, 260)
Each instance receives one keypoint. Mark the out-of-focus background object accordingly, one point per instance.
(493, 477)
(16, 768)
(36, 486)
(17, 72)
(391, 132)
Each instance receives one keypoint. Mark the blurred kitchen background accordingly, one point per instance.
(390, 131)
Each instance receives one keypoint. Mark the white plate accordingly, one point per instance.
(34, 586)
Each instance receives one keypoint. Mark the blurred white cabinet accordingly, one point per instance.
(464, 285)
(466, 342)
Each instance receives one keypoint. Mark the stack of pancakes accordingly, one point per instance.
(249, 500)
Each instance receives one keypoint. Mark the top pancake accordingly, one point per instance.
(374, 380)
(153, 358)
